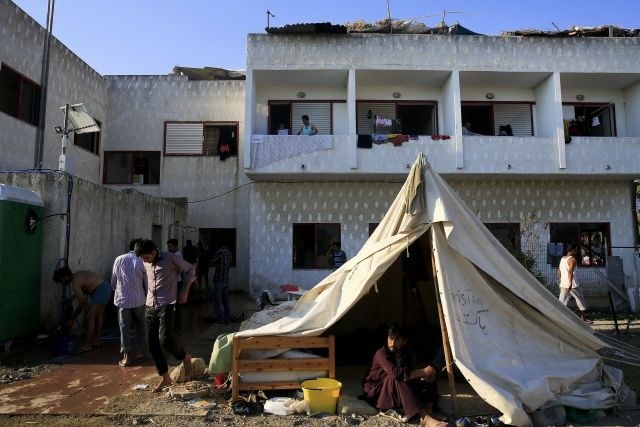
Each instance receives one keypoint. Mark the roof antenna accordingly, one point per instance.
(556, 27)
(269, 14)
(389, 17)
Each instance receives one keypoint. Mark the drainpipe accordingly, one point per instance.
(44, 81)
(68, 218)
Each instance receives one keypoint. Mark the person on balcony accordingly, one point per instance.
(307, 128)
(466, 129)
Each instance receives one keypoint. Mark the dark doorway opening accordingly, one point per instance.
(279, 114)
(416, 119)
(480, 116)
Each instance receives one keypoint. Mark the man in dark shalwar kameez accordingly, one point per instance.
(395, 382)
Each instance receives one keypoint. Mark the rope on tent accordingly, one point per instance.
(619, 351)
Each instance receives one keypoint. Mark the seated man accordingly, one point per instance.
(395, 382)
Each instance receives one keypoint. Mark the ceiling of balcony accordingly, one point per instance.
(497, 79)
(405, 77)
(616, 81)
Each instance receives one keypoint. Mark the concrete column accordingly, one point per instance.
(351, 119)
(548, 117)
(249, 117)
(452, 114)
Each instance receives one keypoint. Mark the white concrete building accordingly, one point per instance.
(279, 200)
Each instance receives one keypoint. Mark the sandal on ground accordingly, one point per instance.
(123, 363)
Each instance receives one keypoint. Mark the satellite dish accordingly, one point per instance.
(79, 120)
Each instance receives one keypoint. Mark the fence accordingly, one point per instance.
(593, 279)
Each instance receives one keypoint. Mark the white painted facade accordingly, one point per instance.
(338, 182)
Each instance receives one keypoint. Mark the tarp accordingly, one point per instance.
(517, 345)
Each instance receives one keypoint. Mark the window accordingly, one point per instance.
(488, 118)
(311, 243)
(591, 241)
(19, 96)
(89, 141)
(409, 118)
(218, 237)
(131, 167)
(289, 114)
(507, 233)
(589, 119)
(201, 139)
(372, 227)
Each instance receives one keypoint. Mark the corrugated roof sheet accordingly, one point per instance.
(311, 28)
(209, 73)
(599, 31)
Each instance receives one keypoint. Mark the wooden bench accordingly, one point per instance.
(241, 365)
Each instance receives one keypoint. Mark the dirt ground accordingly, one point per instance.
(138, 407)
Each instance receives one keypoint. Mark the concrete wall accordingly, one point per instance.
(442, 52)
(71, 81)
(276, 207)
(103, 221)
(632, 100)
(139, 106)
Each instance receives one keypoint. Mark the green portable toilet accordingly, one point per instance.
(20, 256)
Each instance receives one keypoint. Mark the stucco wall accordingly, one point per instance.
(71, 81)
(138, 109)
(103, 221)
(443, 52)
(276, 207)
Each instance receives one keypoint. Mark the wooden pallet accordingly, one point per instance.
(278, 365)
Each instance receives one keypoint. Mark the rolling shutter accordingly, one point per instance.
(365, 123)
(183, 138)
(516, 115)
(319, 114)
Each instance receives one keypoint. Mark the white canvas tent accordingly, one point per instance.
(518, 347)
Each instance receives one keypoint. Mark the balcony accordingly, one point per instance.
(335, 157)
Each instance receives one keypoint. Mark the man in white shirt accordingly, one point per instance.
(129, 283)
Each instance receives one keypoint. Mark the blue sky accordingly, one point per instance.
(151, 37)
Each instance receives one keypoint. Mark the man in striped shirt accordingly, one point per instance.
(222, 262)
(129, 283)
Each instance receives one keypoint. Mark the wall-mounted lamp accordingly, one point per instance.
(396, 94)
(490, 95)
(301, 94)
(580, 97)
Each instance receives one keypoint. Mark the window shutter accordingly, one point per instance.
(516, 115)
(319, 114)
(183, 138)
(365, 123)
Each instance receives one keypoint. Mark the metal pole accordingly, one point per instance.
(44, 82)
(443, 329)
(62, 161)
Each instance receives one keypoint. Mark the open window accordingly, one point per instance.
(311, 244)
(582, 119)
(490, 118)
(131, 167)
(201, 139)
(591, 241)
(507, 233)
(287, 115)
(409, 118)
(19, 96)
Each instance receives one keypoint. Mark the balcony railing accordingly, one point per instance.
(267, 149)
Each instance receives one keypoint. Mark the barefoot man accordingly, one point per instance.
(88, 287)
(395, 382)
(162, 270)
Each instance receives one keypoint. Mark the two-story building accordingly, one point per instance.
(548, 156)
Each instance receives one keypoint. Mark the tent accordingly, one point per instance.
(516, 344)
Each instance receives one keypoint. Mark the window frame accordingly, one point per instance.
(604, 228)
(22, 79)
(491, 105)
(427, 103)
(292, 127)
(131, 153)
(205, 124)
(320, 261)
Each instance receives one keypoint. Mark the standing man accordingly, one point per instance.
(88, 288)
(162, 270)
(222, 262)
(307, 128)
(172, 246)
(336, 256)
(569, 286)
(129, 283)
(395, 382)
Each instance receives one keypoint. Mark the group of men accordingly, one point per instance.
(146, 292)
